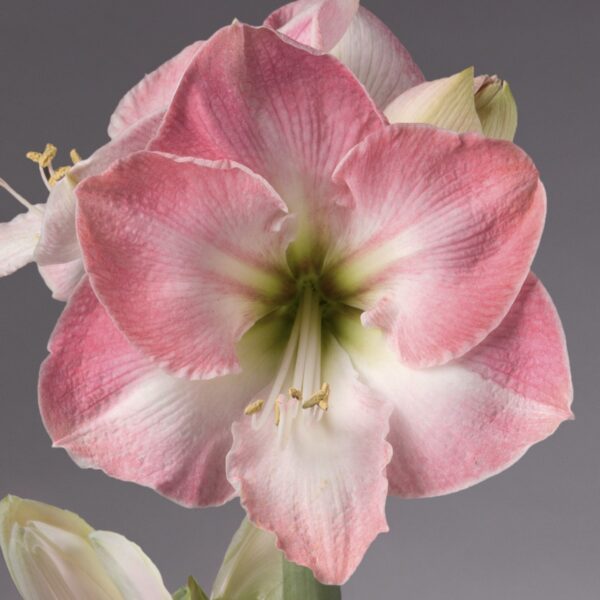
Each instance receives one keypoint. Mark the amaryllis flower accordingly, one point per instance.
(292, 301)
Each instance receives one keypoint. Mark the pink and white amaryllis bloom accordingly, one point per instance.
(294, 302)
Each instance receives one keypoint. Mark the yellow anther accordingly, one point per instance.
(36, 157)
(48, 155)
(277, 412)
(312, 401)
(320, 398)
(75, 157)
(43, 158)
(254, 407)
(58, 175)
(295, 393)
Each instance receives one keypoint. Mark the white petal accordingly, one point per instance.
(317, 482)
(130, 569)
(18, 239)
(62, 278)
(377, 58)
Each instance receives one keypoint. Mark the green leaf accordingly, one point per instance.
(299, 583)
(192, 591)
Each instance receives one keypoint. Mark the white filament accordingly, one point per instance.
(15, 194)
(300, 368)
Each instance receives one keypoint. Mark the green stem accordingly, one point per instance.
(300, 584)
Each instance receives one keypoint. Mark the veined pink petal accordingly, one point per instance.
(320, 24)
(357, 38)
(283, 111)
(318, 484)
(376, 56)
(110, 408)
(62, 278)
(186, 255)
(18, 239)
(458, 424)
(153, 93)
(59, 243)
(440, 239)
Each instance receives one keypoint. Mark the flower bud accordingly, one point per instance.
(53, 553)
(460, 103)
(252, 567)
(496, 107)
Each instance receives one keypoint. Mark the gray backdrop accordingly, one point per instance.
(530, 533)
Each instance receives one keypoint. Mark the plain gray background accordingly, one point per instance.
(531, 533)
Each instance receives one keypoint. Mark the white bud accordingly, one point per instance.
(53, 554)
(460, 103)
(252, 568)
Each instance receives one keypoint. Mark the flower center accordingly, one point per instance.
(297, 392)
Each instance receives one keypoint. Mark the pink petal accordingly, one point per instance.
(440, 239)
(456, 425)
(319, 485)
(110, 408)
(153, 93)
(320, 24)
(62, 279)
(18, 239)
(376, 56)
(284, 112)
(186, 255)
(357, 38)
(59, 243)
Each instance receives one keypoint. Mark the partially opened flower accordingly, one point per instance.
(352, 296)
(46, 233)
(53, 553)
